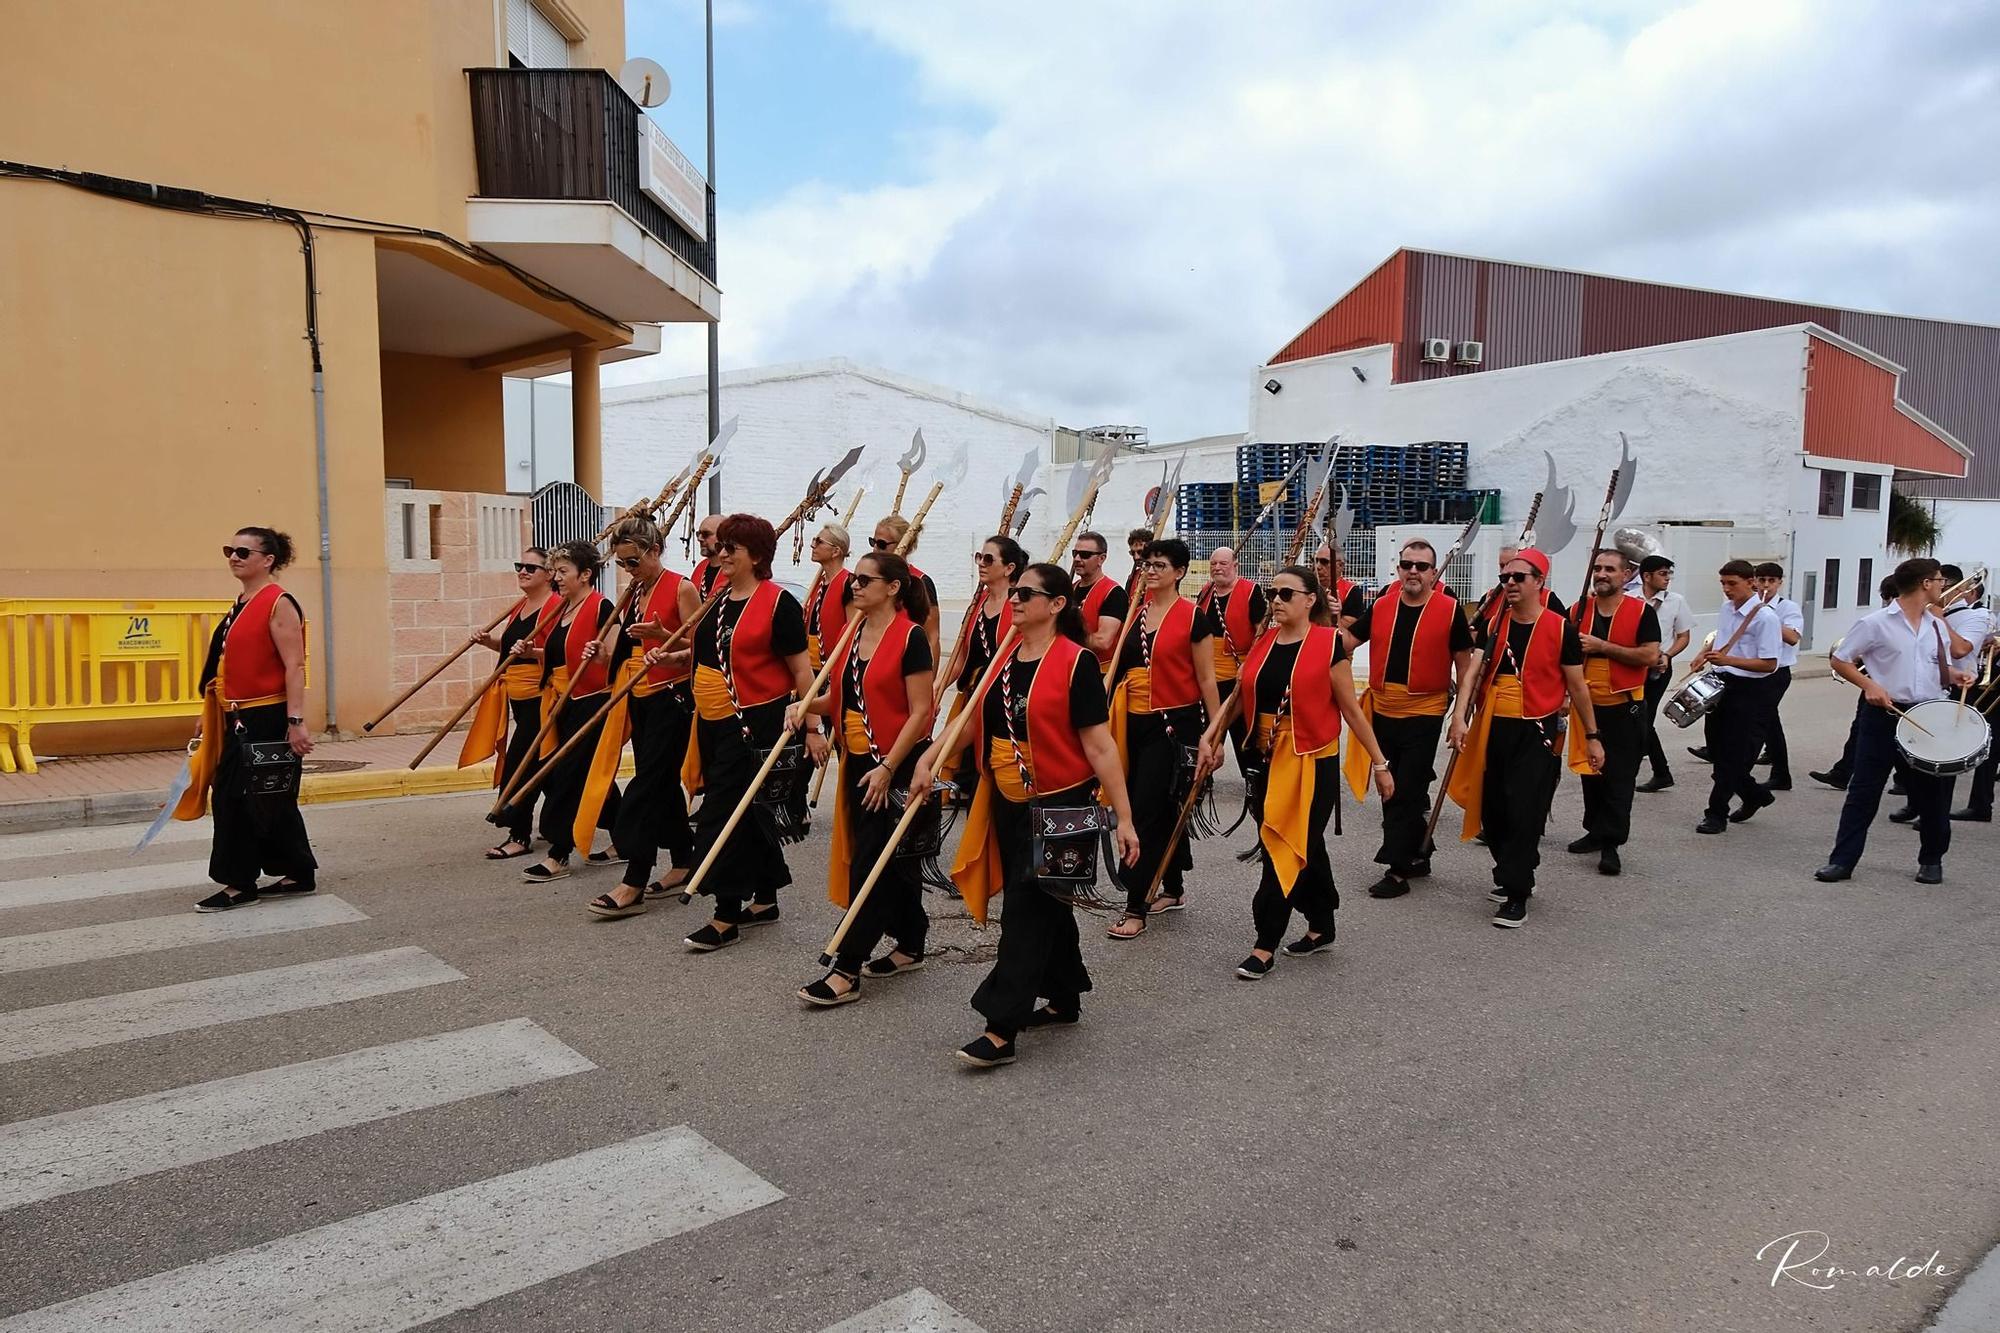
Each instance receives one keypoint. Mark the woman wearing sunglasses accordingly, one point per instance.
(571, 651)
(828, 593)
(1163, 693)
(887, 533)
(879, 697)
(1047, 743)
(511, 712)
(653, 813)
(749, 661)
(253, 687)
(998, 562)
(1300, 684)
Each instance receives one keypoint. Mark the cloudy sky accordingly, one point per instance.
(1112, 212)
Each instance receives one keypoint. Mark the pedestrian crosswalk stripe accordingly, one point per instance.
(97, 838)
(77, 1025)
(915, 1311)
(102, 883)
(414, 1262)
(116, 939)
(102, 1145)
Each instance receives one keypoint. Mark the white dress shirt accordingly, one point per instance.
(1904, 660)
(1761, 639)
(1974, 624)
(1791, 617)
(1672, 609)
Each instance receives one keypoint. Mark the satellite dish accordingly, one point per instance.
(644, 81)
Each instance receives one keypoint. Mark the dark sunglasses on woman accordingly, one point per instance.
(240, 552)
(1286, 594)
(880, 543)
(628, 562)
(1021, 592)
(520, 568)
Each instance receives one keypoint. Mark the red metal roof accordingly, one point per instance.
(1525, 315)
(1852, 412)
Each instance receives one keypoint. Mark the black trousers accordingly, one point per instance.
(1041, 956)
(1313, 893)
(1520, 780)
(653, 815)
(1153, 745)
(1410, 745)
(752, 864)
(525, 718)
(1875, 753)
(895, 906)
(254, 834)
(1607, 796)
(1239, 730)
(1774, 741)
(1980, 802)
(562, 793)
(1735, 730)
(1657, 689)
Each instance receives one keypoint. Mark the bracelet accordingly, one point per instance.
(1382, 767)
(1590, 735)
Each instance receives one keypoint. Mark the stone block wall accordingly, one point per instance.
(451, 569)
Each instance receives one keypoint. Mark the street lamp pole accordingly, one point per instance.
(714, 326)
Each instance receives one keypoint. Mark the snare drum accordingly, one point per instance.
(1943, 739)
(1695, 699)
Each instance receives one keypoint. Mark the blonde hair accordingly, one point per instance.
(896, 526)
(837, 535)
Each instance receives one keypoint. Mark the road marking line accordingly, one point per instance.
(414, 1262)
(915, 1311)
(116, 939)
(55, 1029)
(103, 838)
(102, 1145)
(102, 883)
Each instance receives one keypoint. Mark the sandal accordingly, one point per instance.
(756, 918)
(501, 853)
(659, 888)
(541, 873)
(1167, 903)
(608, 908)
(605, 858)
(708, 939)
(1050, 1016)
(291, 888)
(822, 995)
(1116, 933)
(887, 966)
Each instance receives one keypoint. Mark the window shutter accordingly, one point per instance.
(532, 39)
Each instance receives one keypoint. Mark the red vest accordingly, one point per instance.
(704, 576)
(545, 622)
(1173, 683)
(1430, 647)
(1093, 606)
(1543, 689)
(831, 592)
(758, 674)
(1624, 633)
(1056, 759)
(1341, 587)
(885, 699)
(1236, 626)
(663, 608)
(251, 667)
(595, 677)
(1315, 715)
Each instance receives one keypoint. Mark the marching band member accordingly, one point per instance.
(653, 814)
(1836, 777)
(1656, 574)
(1299, 684)
(1770, 582)
(879, 698)
(1965, 629)
(1000, 561)
(749, 660)
(1909, 662)
(1975, 624)
(1734, 728)
(1103, 602)
(1621, 642)
(704, 573)
(1419, 643)
(1047, 742)
(513, 706)
(887, 534)
(1234, 608)
(1510, 766)
(253, 686)
(1348, 599)
(1163, 695)
(828, 593)
(574, 789)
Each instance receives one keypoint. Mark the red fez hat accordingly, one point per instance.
(1534, 556)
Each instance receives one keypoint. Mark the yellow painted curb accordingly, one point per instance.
(379, 784)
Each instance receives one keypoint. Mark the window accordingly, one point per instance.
(1867, 491)
(1864, 584)
(1832, 493)
(1832, 585)
(533, 42)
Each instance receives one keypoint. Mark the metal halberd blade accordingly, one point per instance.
(952, 475)
(1021, 510)
(1026, 476)
(914, 459)
(1558, 516)
(844, 466)
(1628, 472)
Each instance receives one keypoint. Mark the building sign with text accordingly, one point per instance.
(670, 180)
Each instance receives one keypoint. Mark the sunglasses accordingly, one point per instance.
(628, 562)
(1420, 566)
(1515, 576)
(1286, 594)
(1082, 554)
(241, 552)
(986, 557)
(863, 580)
(520, 568)
(727, 548)
(1021, 592)
(880, 543)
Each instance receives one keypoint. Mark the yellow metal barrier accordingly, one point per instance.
(98, 660)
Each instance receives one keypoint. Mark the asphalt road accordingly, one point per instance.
(1594, 1123)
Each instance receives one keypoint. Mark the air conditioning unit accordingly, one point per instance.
(1437, 349)
(1470, 353)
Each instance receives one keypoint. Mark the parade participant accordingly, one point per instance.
(1103, 602)
(504, 727)
(575, 788)
(1163, 693)
(1975, 624)
(887, 534)
(704, 572)
(253, 690)
(1836, 777)
(1000, 561)
(828, 593)
(1136, 541)
(1770, 581)
(1234, 608)
(1420, 644)
(1046, 745)
(879, 699)
(1621, 643)
(1509, 769)
(1967, 628)
(1748, 635)
(749, 660)
(653, 814)
(1909, 662)
(1496, 598)
(1348, 599)
(1656, 574)
(1299, 684)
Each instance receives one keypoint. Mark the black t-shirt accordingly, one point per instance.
(1276, 673)
(1354, 605)
(558, 644)
(788, 628)
(1518, 635)
(1138, 648)
(518, 628)
(1088, 706)
(1396, 670)
(979, 645)
(1217, 608)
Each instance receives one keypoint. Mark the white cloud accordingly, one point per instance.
(1168, 191)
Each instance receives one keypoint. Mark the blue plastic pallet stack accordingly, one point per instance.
(1206, 506)
(1385, 483)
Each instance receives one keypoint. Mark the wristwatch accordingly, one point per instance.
(1382, 767)
(1590, 735)
(295, 721)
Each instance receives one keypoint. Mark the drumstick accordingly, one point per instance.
(1912, 721)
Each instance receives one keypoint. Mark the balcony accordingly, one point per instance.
(558, 154)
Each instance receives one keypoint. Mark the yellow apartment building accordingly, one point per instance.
(261, 259)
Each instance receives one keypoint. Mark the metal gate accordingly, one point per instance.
(563, 511)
